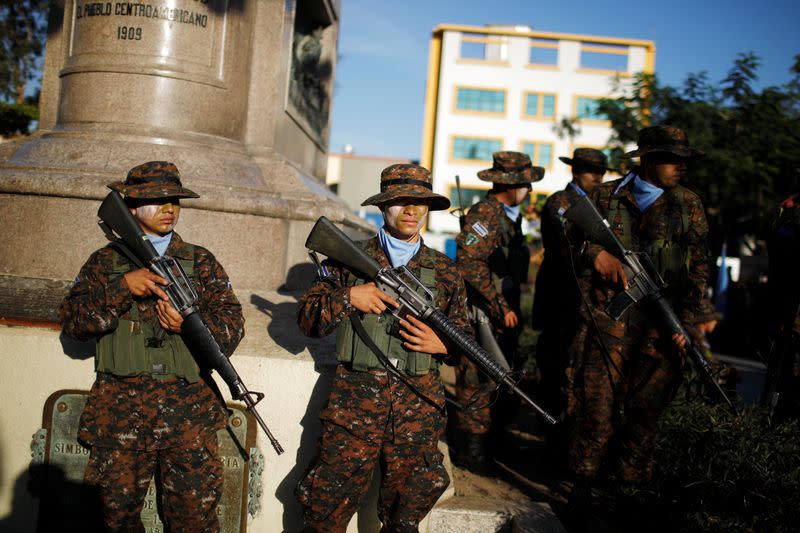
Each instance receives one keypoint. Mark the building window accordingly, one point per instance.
(588, 108)
(604, 57)
(482, 48)
(483, 100)
(472, 149)
(543, 52)
(470, 195)
(541, 153)
(540, 105)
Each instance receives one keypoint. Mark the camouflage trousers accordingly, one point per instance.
(616, 401)
(372, 418)
(190, 484)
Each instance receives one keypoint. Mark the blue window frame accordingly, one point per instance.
(589, 108)
(540, 105)
(468, 148)
(485, 100)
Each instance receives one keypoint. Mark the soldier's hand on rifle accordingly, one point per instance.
(169, 317)
(420, 337)
(511, 320)
(610, 268)
(368, 298)
(143, 282)
(680, 342)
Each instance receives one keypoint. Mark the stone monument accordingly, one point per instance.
(238, 94)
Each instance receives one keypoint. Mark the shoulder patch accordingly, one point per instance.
(470, 239)
(480, 229)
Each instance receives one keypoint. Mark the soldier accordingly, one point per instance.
(385, 405)
(556, 298)
(782, 384)
(150, 411)
(493, 259)
(627, 372)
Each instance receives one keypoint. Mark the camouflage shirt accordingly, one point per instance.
(556, 289)
(651, 226)
(326, 303)
(486, 228)
(144, 412)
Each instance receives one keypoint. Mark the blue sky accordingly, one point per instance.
(380, 78)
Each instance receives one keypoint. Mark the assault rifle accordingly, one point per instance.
(402, 285)
(644, 284)
(117, 222)
(482, 323)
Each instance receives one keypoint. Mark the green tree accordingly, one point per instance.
(752, 139)
(23, 27)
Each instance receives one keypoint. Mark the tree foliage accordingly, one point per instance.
(23, 26)
(752, 138)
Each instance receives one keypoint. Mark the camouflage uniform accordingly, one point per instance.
(140, 426)
(487, 231)
(557, 299)
(371, 416)
(640, 374)
(782, 387)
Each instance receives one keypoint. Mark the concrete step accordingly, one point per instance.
(470, 514)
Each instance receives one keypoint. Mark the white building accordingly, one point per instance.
(506, 88)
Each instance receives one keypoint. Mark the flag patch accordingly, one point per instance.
(480, 229)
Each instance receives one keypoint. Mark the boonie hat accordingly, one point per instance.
(667, 139)
(154, 179)
(587, 157)
(511, 168)
(407, 180)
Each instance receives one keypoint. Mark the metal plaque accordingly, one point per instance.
(59, 461)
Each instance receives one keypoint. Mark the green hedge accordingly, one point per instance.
(718, 473)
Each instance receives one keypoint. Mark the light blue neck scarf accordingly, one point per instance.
(160, 242)
(645, 192)
(511, 212)
(399, 252)
(577, 188)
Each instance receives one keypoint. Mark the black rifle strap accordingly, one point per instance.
(358, 327)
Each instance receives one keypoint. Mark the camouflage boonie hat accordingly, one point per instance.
(665, 139)
(406, 180)
(154, 179)
(587, 157)
(511, 168)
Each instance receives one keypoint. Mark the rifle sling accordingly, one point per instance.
(358, 327)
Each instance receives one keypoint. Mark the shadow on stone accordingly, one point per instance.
(64, 505)
(307, 451)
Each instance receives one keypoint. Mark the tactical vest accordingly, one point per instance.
(670, 255)
(384, 331)
(509, 263)
(126, 352)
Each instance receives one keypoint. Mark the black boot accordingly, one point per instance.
(472, 455)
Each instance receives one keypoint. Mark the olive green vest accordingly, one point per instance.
(670, 255)
(383, 329)
(126, 352)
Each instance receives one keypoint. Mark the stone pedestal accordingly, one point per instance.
(237, 93)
